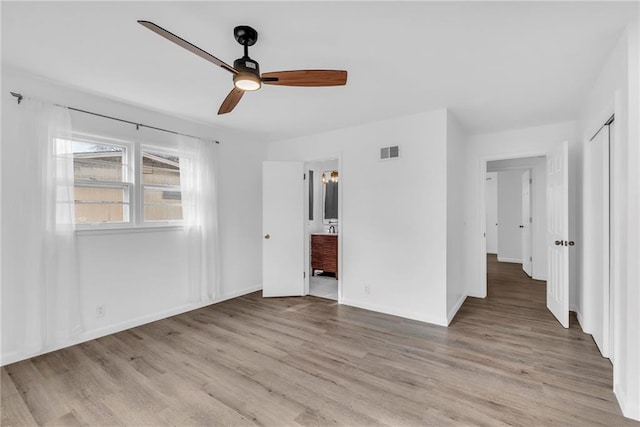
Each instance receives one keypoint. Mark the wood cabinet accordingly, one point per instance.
(324, 253)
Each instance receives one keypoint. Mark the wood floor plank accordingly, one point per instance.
(306, 361)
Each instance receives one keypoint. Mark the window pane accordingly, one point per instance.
(162, 213)
(160, 169)
(162, 204)
(97, 170)
(98, 162)
(95, 205)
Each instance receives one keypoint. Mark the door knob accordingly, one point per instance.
(266, 236)
(558, 242)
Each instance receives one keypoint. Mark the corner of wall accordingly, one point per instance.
(454, 310)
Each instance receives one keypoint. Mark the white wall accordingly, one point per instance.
(491, 196)
(528, 142)
(456, 292)
(617, 90)
(394, 233)
(510, 216)
(145, 276)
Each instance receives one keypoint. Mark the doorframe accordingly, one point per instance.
(482, 180)
(527, 220)
(307, 245)
(588, 282)
(607, 117)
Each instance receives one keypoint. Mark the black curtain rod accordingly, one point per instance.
(137, 125)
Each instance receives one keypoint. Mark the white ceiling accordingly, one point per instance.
(496, 65)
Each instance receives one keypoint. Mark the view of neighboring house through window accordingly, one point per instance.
(161, 186)
(102, 183)
(110, 191)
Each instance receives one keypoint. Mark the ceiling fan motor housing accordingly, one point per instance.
(247, 65)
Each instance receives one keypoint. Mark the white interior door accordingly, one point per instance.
(558, 232)
(491, 196)
(596, 240)
(283, 229)
(525, 224)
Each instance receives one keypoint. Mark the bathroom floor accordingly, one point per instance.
(324, 287)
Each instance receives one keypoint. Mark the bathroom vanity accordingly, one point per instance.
(324, 252)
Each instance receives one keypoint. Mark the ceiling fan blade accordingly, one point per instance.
(306, 78)
(185, 44)
(231, 101)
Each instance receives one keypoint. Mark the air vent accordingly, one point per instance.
(388, 153)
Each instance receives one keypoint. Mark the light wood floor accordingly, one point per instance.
(308, 361)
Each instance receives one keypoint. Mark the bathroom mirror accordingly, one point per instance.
(330, 196)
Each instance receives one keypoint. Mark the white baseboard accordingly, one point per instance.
(395, 312)
(454, 310)
(7, 358)
(474, 295)
(580, 319)
(239, 293)
(629, 409)
(512, 260)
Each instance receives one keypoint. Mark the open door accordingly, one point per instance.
(525, 224)
(558, 232)
(283, 229)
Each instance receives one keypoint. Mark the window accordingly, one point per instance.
(120, 185)
(103, 187)
(161, 187)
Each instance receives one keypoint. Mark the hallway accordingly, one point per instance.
(532, 355)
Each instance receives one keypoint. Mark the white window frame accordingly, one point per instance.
(132, 183)
(127, 183)
(140, 199)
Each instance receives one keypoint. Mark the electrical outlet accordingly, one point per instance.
(100, 311)
(367, 289)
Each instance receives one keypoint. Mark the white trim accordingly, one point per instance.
(127, 230)
(629, 409)
(236, 294)
(6, 359)
(578, 316)
(512, 260)
(395, 312)
(540, 277)
(454, 310)
(473, 295)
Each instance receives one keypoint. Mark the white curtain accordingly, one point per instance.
(199, 184)
(48, 259)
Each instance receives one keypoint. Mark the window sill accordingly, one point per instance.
(128, 230)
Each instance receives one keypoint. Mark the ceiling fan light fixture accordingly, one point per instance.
(247, 81)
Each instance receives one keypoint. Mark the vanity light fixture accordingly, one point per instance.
(333, 177)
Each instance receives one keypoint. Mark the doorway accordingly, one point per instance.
(516, 220)
(322, 231)
(287, 206)
(555, 242)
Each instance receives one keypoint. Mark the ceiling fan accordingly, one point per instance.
(246, 71)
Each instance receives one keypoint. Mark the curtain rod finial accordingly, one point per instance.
(17, 95)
